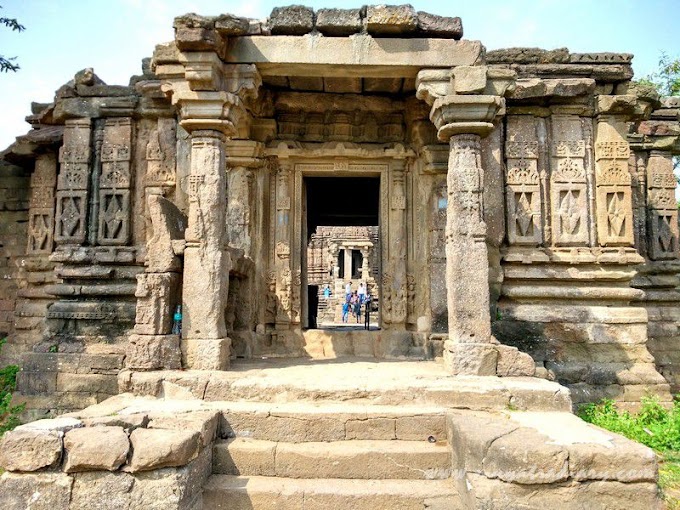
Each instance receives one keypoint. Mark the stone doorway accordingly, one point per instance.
(341, 243)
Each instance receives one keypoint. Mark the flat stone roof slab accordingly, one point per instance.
(355, 56)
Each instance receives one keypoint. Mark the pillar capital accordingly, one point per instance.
(465, 114)
(464, 99)
(215, 111)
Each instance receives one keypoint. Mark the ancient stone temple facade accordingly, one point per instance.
(524, 198)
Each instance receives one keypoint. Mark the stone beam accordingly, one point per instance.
(355, 56)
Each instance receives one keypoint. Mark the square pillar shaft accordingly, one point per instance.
(206, 264)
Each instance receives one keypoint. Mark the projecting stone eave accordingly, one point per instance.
(358, 56)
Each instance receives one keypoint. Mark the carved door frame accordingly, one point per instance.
(333, 167)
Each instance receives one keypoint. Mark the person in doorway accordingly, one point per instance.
(357, 308)
(327, 292)
(361, 293)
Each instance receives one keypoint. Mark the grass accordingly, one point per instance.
(9, 414)
(654, 426)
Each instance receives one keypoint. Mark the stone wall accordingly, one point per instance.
(13, 232)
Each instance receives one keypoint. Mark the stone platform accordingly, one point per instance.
(350, 380)
(316, 434)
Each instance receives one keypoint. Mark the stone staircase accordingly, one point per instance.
(333, 434)
(331, 456)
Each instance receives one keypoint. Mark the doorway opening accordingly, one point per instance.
(342, 251)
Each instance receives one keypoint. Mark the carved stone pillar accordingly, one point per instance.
(284, 277)
(365, 274)
(242, 157)
(348, 262)
(393, 297)
(463, 120)
(206, 263)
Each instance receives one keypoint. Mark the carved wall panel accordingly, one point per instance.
(522, 183)
(115, 182)
(238, 208)
(662, 215)
(613, 193)
(41, 206)
(73, 183)
(568, 183)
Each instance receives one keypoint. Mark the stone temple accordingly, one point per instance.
(512, 211)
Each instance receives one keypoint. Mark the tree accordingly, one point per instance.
(9, 63)
(666, 80)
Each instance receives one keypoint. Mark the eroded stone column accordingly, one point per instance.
(469, 348)
(206, 264)
(462, 120)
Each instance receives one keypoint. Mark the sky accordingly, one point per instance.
(113, 36)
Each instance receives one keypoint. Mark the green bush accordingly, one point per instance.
(9, 414)
(654, 425)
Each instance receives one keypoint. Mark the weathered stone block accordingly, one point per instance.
(524, 456)
(205, 422)
(469, 79)
(228, 25)
(471, 435)
(44, 491)
(291, 20)
(168, 224)
(85, 451)
(30, 450)
(440, 26)
(419, 428)
(152, 352)
(194, 32)
(208, 354)
(101, 490)
(88, 383)
(128, 422)
(512, 362)
(245, 456)
(61, 424)
(371, 428)
(338, 22)
(391, 19)
(470, 359)
(36, 383)
(157, 297)
(626, 461)
(157, 448)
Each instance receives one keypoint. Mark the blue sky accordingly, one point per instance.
(112, 36)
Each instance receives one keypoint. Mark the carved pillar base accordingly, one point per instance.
(206, 354)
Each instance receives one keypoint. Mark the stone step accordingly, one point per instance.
(353, 380)
(315, 422)
(225, 492)
(415, 460)
(329, 344)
